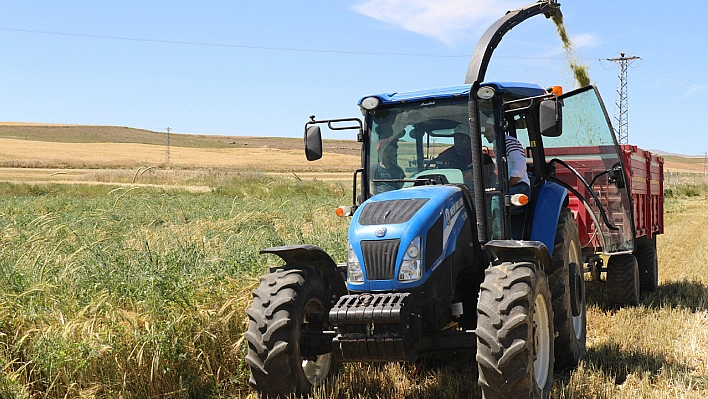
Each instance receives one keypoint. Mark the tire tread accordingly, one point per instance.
(273, 354)
(623, 280)
(569, 350)
(504, 354)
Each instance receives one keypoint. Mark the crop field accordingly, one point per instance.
(115, 292)
(23, 153)
(137, 288)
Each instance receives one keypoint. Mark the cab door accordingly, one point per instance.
(589, 146)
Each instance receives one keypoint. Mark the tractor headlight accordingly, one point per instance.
(370, 103)
(486, 92)
(411, 266)
(354, 273)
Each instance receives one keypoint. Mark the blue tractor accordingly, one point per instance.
(443, 254)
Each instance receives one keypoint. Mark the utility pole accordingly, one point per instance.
(621, 106)
(705, 158)
(167, 153)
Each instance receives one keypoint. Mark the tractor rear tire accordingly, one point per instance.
(515, 332)
(567, 284)
(288, 303)
(623, 280)
(647, 260)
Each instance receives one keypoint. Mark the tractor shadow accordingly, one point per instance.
(443, 375)
(685, 294)
(448, 375)
(615, 363)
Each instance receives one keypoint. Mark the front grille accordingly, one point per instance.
(380, 258)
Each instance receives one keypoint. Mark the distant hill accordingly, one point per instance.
(104, 134)
(670, 154)
(120, 134)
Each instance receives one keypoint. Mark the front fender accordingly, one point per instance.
(548, 204)
(519, 251)
(312, 256)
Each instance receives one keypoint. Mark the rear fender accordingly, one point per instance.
(547, 208)
(519, 251)
(315, 257)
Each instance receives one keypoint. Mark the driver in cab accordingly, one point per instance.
(459, 156)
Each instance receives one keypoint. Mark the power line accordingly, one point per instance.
(672, 79)
(226, 45)
(270, 48)
(673, 74)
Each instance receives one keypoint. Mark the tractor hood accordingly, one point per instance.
(383, 229)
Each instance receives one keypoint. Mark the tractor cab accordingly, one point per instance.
(424, 138)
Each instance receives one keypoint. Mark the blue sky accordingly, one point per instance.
(261, 68)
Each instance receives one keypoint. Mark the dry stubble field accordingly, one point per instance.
(25, 153)
(656, 350)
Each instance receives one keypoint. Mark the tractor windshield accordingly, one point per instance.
(418, 140)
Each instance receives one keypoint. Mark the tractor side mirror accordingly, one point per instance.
(550, 118)
(313, 143)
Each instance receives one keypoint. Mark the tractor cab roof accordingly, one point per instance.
(511, 90)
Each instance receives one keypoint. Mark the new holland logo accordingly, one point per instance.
(452, 211)
(380, 232)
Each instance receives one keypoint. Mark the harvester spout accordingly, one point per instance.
(491, 38)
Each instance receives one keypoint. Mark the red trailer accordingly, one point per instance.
(634, 268)
(645, 173)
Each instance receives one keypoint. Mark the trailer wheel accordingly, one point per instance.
(515, 332)
(647, 260)
(623, 280)
(287, 305)
(567, 285)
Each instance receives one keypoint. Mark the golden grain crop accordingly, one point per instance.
(112, 155)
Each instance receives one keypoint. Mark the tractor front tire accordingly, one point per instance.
(515, 332)
(647, 260)
(567, 284)
(288, 303)
(623, 280)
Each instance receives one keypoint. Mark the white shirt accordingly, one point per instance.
(516, 160)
